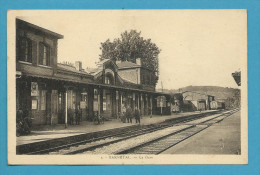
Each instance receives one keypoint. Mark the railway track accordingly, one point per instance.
(53, 145)
(161, 144)
(87, 146)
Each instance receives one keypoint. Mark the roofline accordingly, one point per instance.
(106, 60)
(72, 72)
(59, 36)
(95, 84)
(137, 66)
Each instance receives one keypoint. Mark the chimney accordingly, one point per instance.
(78, 65)
(138, 61)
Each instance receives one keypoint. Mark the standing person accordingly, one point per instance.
(137, 115)
(27, 120)
(129, 114)
(19, 115)
(150, 111)
(77, 112)
(70, 114)
(19, 119)
(87, 114)
(120, 116)
(123, 114)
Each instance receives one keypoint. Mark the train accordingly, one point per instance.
(179, 103)
(217, 105)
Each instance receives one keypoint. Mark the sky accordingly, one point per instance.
(198, 47)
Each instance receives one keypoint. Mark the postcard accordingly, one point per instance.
(103, 87)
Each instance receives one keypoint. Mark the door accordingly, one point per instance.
(84, 106)
(54, 107)
(107, 104)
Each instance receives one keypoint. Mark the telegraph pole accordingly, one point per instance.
(162, 86)
(161, 99)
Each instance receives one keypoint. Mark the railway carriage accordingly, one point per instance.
(217, 105)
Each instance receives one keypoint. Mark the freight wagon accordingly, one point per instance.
(202, 105)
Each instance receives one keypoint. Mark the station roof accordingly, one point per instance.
(69, 68)
(93, 71)
(25, 24)
(103, 61)
(127, 64)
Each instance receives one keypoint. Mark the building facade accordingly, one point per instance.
(50, 92)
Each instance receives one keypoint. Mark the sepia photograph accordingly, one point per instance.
(95, 87)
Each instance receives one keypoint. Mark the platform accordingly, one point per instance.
(47, 132)
(220, 138)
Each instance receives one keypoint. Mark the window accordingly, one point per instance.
(24, 49)
(107, 80)
(44, 58)
(95, 94)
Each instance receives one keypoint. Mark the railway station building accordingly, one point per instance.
(50, 91)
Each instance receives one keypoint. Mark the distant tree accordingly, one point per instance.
(237, 98)
(131, 46)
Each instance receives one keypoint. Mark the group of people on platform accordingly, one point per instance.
(127, 114)
(74, 117)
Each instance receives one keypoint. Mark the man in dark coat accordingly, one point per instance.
(129, 114)
(78, 114)
(137, 115)
(70, 116)
(123, 114)
(19, 115)
(122, 117)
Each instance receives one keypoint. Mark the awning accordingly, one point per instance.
(95, 84)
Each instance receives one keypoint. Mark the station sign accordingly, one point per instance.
(104, 106)
(34, 104)
(34, 89)
(161, 101)
(82, 105)
(95, 106)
